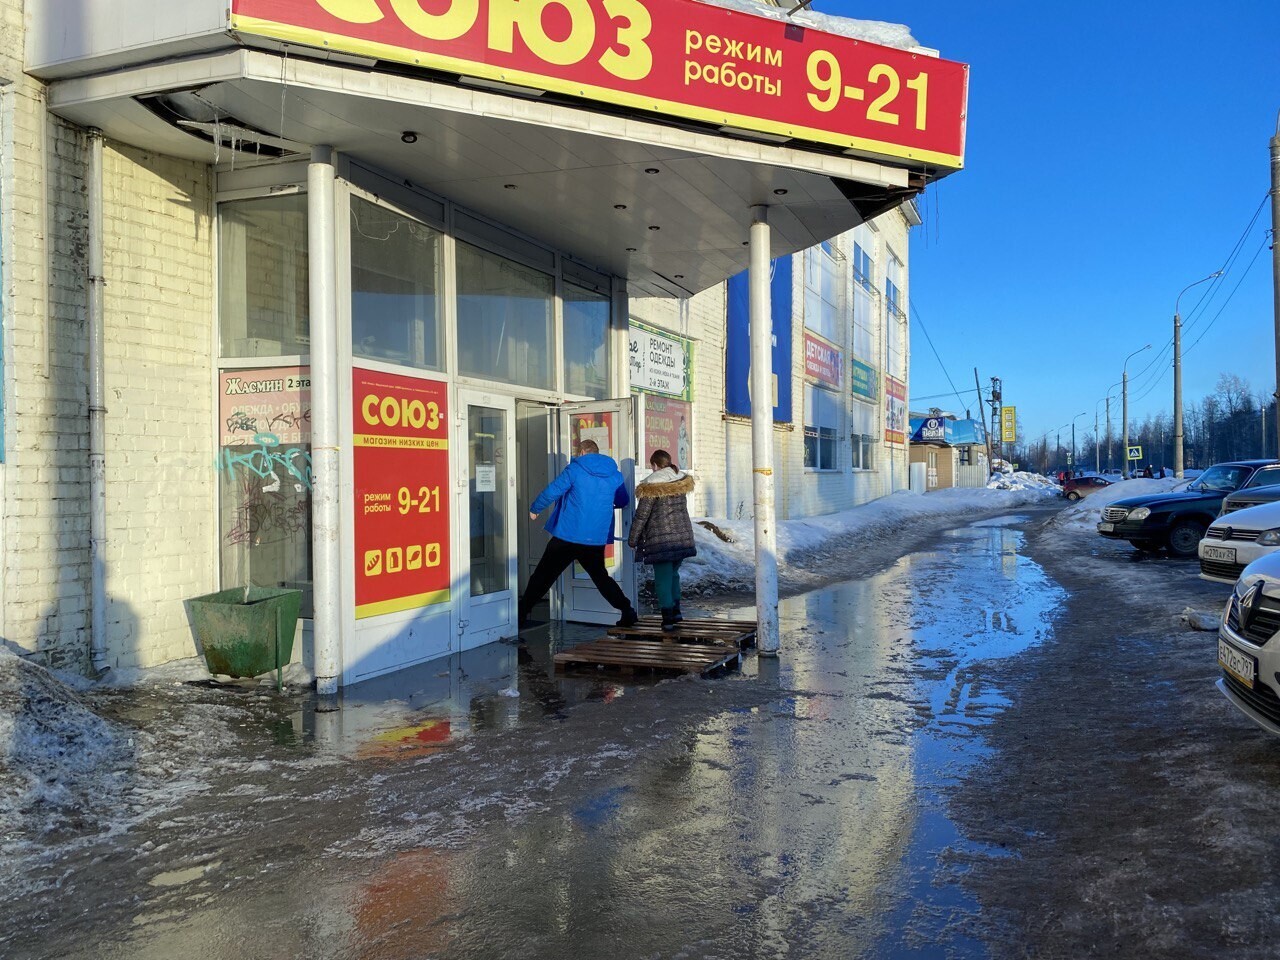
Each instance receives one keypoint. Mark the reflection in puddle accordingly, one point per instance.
(176, 878)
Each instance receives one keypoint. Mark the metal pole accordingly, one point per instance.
(1177, 396)
(1275, 260)
(1124, 444)
(762, 435)
(1108, 433)
(97, 416)
(326, 515)
(1097, 447)
(982, 415)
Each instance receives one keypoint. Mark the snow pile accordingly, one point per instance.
(873, 31)
(56, 754)
(1083, 515)
(1023, 481)
(730, 565)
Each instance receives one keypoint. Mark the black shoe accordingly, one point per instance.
(676, 615)
(629, 618)
(669, 621)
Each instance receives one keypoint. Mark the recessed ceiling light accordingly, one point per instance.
(619, 206)
(780, 192)
(508, 186)
(631, 249)
(679, 276)
(409, 136)
(655, 228)
(650, 169)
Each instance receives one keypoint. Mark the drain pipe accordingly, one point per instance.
(97, 417)
(326, 515)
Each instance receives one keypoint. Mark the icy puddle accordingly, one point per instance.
(797, 809)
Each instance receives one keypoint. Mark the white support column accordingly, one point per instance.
(97, 414)
(326, 515)
(762, 435)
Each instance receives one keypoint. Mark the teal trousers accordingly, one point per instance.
(666, 583)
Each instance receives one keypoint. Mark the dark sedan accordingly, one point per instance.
(1178, 520)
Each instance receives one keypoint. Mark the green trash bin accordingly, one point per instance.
(246, 633)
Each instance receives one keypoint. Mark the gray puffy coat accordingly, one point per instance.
(661, 531)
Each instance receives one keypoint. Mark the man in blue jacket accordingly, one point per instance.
(585, 493)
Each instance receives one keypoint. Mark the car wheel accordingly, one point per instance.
(1072, 496)
(1184, 539)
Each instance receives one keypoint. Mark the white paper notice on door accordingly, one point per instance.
(486, 478)
(601, 437)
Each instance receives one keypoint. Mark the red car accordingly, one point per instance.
(1078, 487)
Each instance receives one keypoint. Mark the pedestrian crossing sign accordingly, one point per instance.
(1135, 453)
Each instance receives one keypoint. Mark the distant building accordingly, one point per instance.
(953, 451)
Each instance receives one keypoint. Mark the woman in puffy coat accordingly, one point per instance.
(661, 532)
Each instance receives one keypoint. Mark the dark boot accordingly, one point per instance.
(669, 619)
(676, 615)
(629, 618)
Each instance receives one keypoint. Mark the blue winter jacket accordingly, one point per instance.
(586, 493)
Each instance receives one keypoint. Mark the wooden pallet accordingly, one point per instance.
(617, 653)
(698, 630)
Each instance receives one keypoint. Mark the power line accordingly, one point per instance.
(939, 396)
(925, 331)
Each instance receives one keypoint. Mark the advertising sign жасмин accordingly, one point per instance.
(679, 58)
(401, 452)
(1008, 424)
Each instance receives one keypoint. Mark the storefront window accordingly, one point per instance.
(824, 294)
(504, 319)
(821, 428)
(586, 342)
(395, 282)
(264, 479)
(862, 429)
(263, 288)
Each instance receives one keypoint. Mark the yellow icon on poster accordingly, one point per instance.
(372, 563)
(413, 558)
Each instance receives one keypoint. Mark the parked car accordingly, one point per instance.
(1178, 519)
(1261, 488)
(1078, 487)
(1236, 539)
(1248, 652)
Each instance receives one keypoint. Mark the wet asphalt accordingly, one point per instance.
(798, 808)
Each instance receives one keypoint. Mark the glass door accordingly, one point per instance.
(610, 423)
(487, 511)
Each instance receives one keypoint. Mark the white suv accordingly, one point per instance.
(1235, 540)
(1248, 651)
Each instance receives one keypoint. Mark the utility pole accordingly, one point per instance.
(997, 418)
(1177, 375)
(1275, 260)
(1124, 427)
(982, 416)
(1097, 447)
(1108, 433)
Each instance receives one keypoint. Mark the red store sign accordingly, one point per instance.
(401, 451)
(678, 58)
(823, 362)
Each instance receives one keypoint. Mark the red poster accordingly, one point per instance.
(669, 57)
(401, 492)
(668, 425)
(895, 411)
(822, 361)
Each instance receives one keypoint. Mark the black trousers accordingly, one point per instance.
(556, 559)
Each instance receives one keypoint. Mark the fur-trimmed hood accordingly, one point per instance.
(666, 482)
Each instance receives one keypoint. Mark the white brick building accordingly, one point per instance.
(464, 243)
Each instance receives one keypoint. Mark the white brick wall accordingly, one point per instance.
(159, 456)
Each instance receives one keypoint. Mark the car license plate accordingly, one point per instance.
(1220, 553)
(1106, 528)
(1240, 665)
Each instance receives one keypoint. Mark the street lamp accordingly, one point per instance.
(1124, 387)
(1177, 373)
(1097, 435)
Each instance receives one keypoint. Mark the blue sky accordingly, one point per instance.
(1116, 152)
